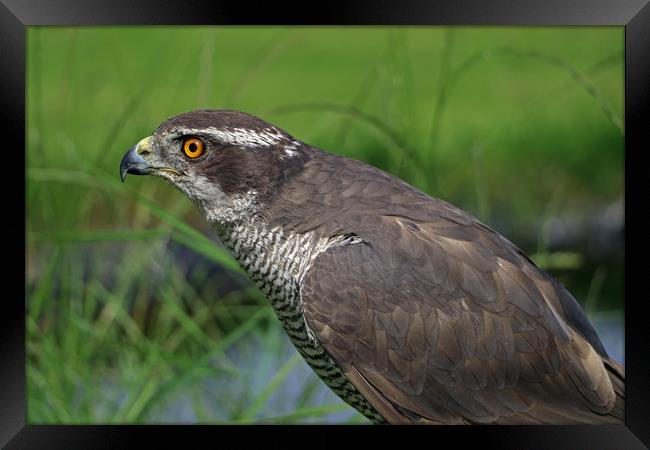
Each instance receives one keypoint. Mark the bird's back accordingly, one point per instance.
(415, 254)
(351, 196)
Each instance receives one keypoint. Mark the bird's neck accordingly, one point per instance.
(270, 254)
(277, 262)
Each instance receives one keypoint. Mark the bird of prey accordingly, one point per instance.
(408, 308)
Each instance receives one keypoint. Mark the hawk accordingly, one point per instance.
(407, 307)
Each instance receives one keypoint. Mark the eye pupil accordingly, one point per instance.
(193, 147)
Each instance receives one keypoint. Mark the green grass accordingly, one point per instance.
(135, 314)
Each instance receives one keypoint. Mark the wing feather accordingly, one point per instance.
(444, 321)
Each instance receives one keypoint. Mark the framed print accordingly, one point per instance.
(370, 215)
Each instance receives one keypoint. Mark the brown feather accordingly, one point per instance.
(484, 342)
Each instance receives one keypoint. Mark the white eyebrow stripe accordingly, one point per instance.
(239, 136)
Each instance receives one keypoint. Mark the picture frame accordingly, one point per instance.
(634, 15)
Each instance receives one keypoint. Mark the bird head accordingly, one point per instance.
(224, 161)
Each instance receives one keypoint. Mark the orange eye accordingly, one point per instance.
(193, 147)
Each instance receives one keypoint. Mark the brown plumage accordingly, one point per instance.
(431, 316)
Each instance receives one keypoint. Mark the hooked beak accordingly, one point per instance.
(133, 162)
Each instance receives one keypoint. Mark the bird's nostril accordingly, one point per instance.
(143, 152)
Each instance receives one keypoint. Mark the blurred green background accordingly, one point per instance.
(135, 314)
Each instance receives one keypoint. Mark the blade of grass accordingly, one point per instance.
(52, 407)
(271, 387)
(358, 419)
(260, 61)
(187, 323)
(595, 288)
(557, 260)
(206, 62)
(365, 88)
(443, 87)
(480, 185)
(97, 235)
(576, 75)
(202, 245)
(189, 371)
(351, 111)
(306, 413)
(120, 122)
(37, 298)
(183, 233)
(135, 412)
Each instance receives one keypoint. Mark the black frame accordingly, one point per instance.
(633, 14)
